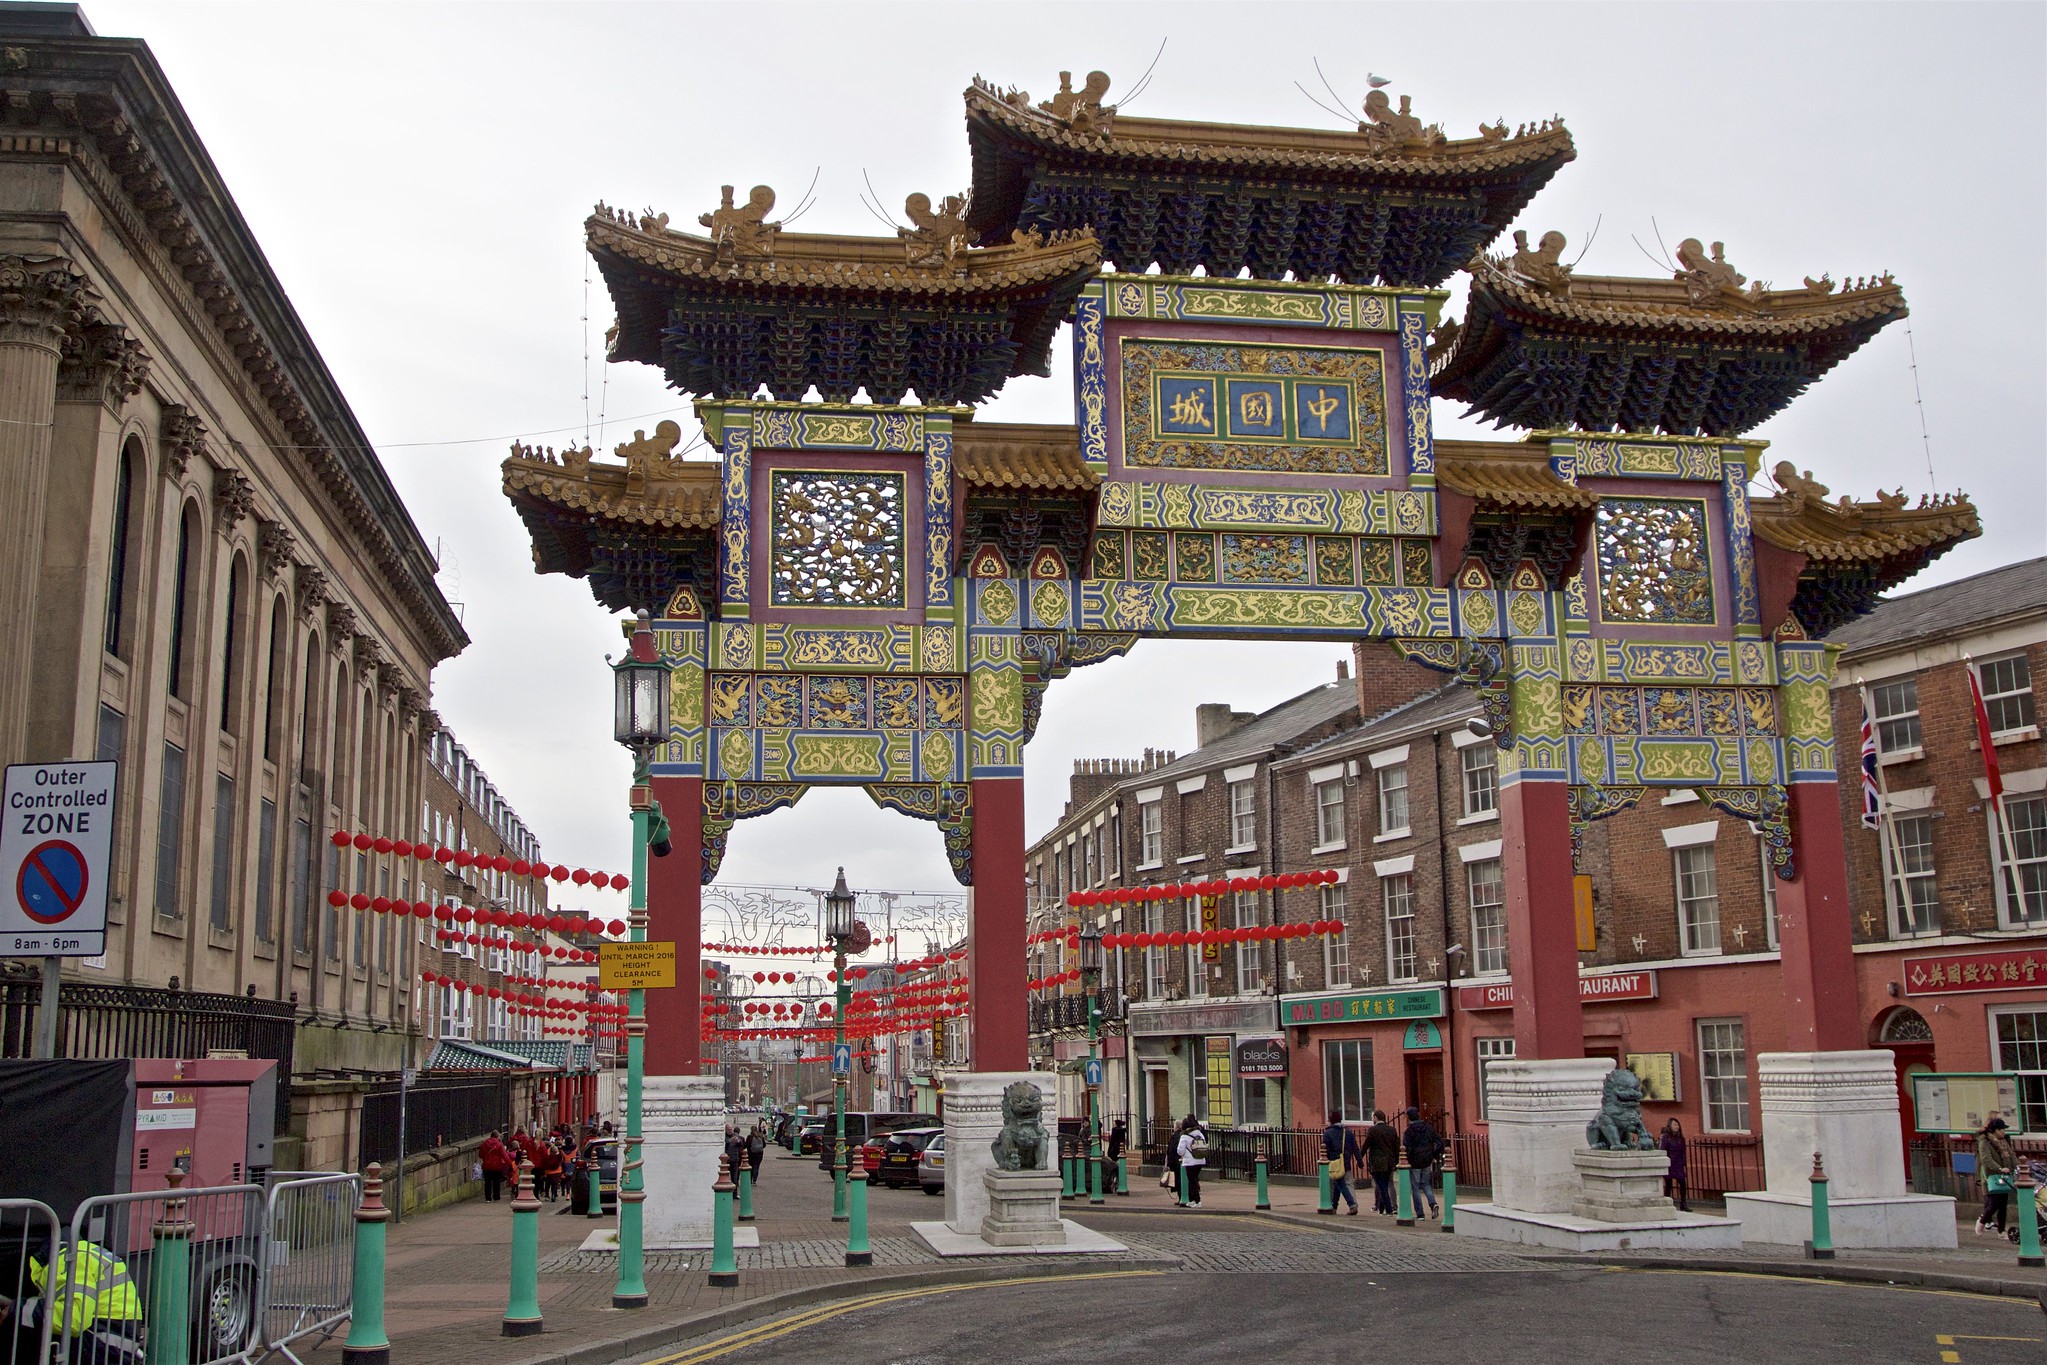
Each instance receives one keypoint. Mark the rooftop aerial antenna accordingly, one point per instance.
(1145, 79)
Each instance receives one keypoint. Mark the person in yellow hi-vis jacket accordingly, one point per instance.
(97, 1300)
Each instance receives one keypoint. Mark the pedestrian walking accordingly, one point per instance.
(1672, 1142)
(1169, 1174)
(1382, 1159)
(1996, 1159)
(1119, 1138)
(496, 1160)
(1193, 1156)
(1424, 1159)
(757, 1151)
(1340, 1153)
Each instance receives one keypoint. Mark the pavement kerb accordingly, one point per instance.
(609, 1349)
(2030, 1290)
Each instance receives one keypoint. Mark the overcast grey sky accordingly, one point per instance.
(418, 175)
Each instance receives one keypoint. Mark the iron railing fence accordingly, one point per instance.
(438, 1110)
(309, 1264)
(109, 1021)
(223, 1247)
(1932, 1165)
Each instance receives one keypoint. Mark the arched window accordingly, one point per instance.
(274, 681)
(117, 555)
(181, 601)
(231, 647)
(309, 700)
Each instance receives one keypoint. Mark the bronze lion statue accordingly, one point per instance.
(1022, 1145)
(1619, 1127)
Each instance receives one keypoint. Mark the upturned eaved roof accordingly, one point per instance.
(1688, 355)
(452, 1054)
(1392, 201)
(787, 311)
(1021, 455)
(1979, 600)
(1504, 474)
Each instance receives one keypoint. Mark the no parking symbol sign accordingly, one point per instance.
(55, 849)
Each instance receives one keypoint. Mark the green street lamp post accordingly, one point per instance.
(640, 722)
(1091, 982)
(839, 927)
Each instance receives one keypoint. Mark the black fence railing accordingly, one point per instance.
(438, 1111)
(1233, 1152)
(105, 1021)
(1932, 1165)
(1070, 1011)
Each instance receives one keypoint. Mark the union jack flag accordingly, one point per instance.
(1872, 806)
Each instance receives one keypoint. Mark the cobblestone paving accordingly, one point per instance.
(791, 1255)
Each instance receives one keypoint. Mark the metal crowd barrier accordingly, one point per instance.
(196, 1259)
(29, 1229)
(309, 1265)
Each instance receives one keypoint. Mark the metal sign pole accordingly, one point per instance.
(398, 1185)
(46, 1011)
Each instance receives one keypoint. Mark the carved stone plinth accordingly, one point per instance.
(683, 1118)
(1537, 1112)
(1621, 1187)
(1023, 1208)
(973, 1116)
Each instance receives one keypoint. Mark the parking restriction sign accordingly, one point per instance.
(55, 850)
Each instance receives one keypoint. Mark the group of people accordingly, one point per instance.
(1378, 1156)
(552, 1153)
(745, 1151)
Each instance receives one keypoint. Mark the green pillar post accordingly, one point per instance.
(168, 1309)
(522, 1305)
(1821, 1247)
(1123, 1174)
(745, 1194)
(1450, 1189)
(1181, 1173)
(1325, 1196)
(1066, 1190)
(1403, 1191)
(724, 1269)
(367, 1344)
(1264, 1201)
(596, 1191)
(631, 1288)
(858, 1252)
(1094, 1089)
(2028, 1214)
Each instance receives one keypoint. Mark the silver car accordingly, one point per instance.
(931, 1166)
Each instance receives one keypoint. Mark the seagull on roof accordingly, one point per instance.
(1377, 81)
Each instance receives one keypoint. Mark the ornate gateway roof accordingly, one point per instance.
(750, 306)
(1394, 202)
(1544, 348)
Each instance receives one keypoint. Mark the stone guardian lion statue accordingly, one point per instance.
(1023, 1144)
(1619, 1127)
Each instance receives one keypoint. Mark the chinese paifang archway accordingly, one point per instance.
(876, 594)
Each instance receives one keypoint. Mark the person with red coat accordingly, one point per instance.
(496, 1160)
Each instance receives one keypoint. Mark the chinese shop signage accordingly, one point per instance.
(1958, 973)
(1591, 990)
(1344, 1009)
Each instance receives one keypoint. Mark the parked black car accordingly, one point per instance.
(604, 1151)
(900, 1153)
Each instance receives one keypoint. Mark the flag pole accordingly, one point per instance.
(1994, 781)
(1887, 831)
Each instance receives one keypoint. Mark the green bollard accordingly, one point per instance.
(2028, 1213)
(1094, 1178)
(1325, 1194)
(1069, 1187)
(1264, 1203)
(596, 1191)
(1180, 1175)
(1123, 1175)
(1403, 1192)
(522, 1308)
(1450, 1191)
(367, 1344)
(1821, 1247)
(745, 1194)
(170, 1281)
(858, 1252)
(724, 1269)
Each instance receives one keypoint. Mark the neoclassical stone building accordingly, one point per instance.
(205, 573)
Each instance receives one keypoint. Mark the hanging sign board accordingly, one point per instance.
(55, 851)
(635, 966)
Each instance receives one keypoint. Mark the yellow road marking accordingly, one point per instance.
(781, 1327)
(1830, 1284)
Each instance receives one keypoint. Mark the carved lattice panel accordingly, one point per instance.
(836, 539)
(1655, 564)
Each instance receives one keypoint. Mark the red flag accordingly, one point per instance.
(1990, 773)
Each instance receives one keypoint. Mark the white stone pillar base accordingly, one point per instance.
(1023, 1209)
(1843, 1105)
(682, 1119)
(1536, 1112)
(973, 1116)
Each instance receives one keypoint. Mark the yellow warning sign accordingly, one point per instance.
(635, 966)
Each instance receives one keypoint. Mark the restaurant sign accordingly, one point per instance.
(1592, 990)
(1345, 1009)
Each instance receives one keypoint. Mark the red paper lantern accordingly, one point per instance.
(615, 927)
(520, 867)
(558, 872)
(444, 856)
(359, 901)
(619, 881)
(339, 838)
(337, 898)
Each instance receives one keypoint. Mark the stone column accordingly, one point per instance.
(1537, 1112)
(1542, 926)
(973, 1116)
(675, 914)
(683, 1123)
(1818, 946)
(40, 299)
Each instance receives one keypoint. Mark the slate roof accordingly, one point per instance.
(1255, 737)
(1446, 706)
(554, 1052)
(452, 1054)
(2012, 590)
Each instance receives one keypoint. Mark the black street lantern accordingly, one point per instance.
(838, 911)
(1090, 956)
(640, 693)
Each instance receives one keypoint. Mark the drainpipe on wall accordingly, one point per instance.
(1443, 899)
